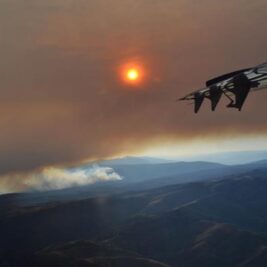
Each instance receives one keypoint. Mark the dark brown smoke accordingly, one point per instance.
(61, 97)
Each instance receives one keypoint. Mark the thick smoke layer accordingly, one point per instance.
(61, 96)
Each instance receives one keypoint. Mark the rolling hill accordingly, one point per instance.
(206, 223)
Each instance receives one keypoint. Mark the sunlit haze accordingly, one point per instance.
(173, 150)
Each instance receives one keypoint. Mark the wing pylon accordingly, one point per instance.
(235, 86)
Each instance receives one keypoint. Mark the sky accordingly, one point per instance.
(63, 100)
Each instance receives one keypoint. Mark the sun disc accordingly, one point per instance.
(132, 74)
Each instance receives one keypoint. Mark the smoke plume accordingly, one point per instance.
(58, 178)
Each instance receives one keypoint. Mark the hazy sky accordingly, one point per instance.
(62, 99)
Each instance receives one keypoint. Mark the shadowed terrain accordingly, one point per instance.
(220, 222)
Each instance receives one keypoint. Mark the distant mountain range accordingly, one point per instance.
(229, 158)
(129, 160)
(138, 177)
(211, 222)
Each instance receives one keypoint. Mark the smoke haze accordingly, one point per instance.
(62, 100)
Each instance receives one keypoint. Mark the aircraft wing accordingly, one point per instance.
(235, 86)
(213, 93)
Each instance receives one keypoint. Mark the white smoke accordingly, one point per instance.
(55, 178)
(52, 178)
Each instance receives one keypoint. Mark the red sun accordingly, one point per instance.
(132, 74)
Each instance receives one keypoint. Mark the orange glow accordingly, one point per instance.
(132, 74)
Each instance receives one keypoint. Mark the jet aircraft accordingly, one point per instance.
(235, 86)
